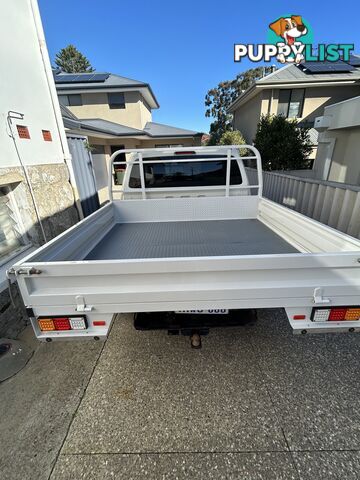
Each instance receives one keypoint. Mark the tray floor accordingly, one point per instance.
(189, 239)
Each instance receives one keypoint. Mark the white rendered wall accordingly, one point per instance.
(24, 87)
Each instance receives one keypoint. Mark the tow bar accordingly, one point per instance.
(192, 325)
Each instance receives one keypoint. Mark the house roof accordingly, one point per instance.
(66, 113)
(112, 82)
(295, 75)
(151, 129)
(110, 127)
(160, 130)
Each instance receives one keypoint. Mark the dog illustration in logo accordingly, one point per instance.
(290, 29)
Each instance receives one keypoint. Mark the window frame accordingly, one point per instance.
(290, 101)
(214, 159)
(68, 103)
(116, 105)
(169, 145)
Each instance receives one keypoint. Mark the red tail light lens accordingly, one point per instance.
(62, 324)
(337, 314)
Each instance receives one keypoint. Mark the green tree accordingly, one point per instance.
(70, 60)
(218, 100)
(283, 145)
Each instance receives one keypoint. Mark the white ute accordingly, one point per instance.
(190, 230)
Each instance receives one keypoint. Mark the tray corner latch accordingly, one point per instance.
(318, 297)
(81, 305)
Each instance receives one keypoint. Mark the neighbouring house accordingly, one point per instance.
(338, 154)
(114, 112)
(205, 139)
(296, 91)
(37, 200)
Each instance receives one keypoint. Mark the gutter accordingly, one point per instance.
(78, 125)
(69, 123)
(245, 94)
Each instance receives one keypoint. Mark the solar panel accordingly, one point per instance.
(354, 61)
(327, 67)
(65, 78)
(91, 77)
(82, 78)
(100, 77)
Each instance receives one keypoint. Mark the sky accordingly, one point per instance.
(183, 48)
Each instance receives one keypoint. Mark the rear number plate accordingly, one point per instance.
(215, 311)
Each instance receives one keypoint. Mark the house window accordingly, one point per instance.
(116, 100)
(291, 102)
(163, 145)
(121, 157)
(71, 100)
(10, 236)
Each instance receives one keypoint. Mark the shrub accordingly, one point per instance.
(283, 145)
(233, 137)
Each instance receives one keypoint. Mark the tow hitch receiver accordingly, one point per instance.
(195, 340)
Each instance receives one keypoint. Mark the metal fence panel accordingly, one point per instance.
(84, 174)
(334, 204)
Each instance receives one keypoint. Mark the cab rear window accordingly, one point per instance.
(185, 174)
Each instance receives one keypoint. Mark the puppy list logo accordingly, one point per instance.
(290, 40)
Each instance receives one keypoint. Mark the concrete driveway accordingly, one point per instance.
(255, 403)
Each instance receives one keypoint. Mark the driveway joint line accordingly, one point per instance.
(196, 452)
(206, 452)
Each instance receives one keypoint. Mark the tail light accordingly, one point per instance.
(46, 324)
(78, 323)
(335, 314)
(62, 323)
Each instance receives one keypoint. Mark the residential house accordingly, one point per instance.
(296, 91)
(338, 154)
(37, 200)
(114, 112)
